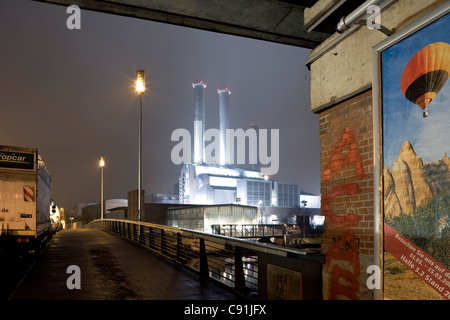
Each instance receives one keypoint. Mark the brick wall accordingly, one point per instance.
(346, 162)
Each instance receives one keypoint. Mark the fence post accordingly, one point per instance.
(203, 259)
(163, 242)
(134, 233)
(239, 277)
(141, 234)
(151, 238)
(180, 249)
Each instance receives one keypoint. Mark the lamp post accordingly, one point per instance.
(304, 202)
(140, 89)
(102, 164)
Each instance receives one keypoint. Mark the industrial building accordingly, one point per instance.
(203, 183)
(114, 209)
(201, 218)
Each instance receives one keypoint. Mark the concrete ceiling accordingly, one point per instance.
(279, 21)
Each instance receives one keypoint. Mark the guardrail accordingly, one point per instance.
(249, 230)
(237, 263)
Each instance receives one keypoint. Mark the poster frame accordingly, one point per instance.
(377, 88)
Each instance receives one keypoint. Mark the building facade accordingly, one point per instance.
(211, 185)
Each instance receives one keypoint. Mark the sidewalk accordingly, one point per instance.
(111, 268)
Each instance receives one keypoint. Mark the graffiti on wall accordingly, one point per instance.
(342, 260)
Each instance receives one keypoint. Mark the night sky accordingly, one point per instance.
(70, 93)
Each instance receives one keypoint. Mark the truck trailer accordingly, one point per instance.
(25, 226)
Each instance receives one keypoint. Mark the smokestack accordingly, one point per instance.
(199, 120)
(255, 166)
(224, 124)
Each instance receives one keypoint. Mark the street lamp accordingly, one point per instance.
(140, 89)
(304, 202)
(102, 164)
(140, 81)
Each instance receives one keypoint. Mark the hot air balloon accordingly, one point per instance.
(425, 74)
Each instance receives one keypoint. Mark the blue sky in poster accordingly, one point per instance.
(402, 119)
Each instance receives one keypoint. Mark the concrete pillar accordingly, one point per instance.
(133, 205)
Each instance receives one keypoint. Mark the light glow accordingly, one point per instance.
(317, 220)
(223, 90)
(273, 219)
(222, 182)
(195, 83)
(140, 81)
(252, 174)
(102, 162)
(216, 171)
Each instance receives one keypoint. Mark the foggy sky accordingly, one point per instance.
(70, 93)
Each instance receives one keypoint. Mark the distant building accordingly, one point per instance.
(285, 194)
(309, 200)
(162, 198)
(254, 192)
(114, 203)
(114, 208)
(204, 184)
(201, 218)
(78, 210)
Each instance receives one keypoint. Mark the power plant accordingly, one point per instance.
(204, 183)
(199, 120)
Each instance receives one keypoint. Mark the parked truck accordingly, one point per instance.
(25, 226)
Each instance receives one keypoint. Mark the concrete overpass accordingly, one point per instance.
(281, 21)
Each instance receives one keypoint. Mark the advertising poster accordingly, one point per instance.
(416, 164)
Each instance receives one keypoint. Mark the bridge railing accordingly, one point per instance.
(249, 230)
(237, 263)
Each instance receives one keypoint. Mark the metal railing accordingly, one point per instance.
(231, 261)
(249, 230)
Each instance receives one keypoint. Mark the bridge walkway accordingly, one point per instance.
(111, 268)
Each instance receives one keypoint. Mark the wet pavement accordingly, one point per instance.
(110, 268)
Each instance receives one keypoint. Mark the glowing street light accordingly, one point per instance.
(102, 164)
(140, 81)
(140, 89)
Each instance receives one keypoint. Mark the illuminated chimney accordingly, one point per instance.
(224, 124)
(254, 151)
(199, 120)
